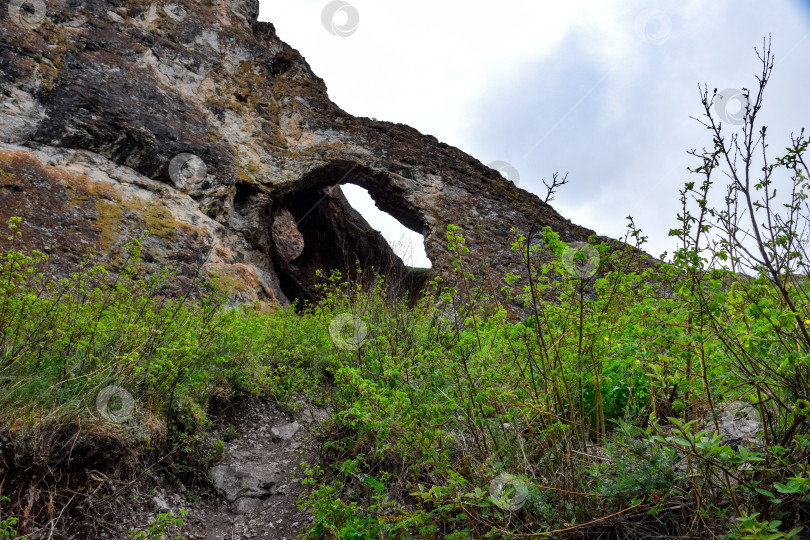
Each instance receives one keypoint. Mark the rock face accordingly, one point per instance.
(193, 121)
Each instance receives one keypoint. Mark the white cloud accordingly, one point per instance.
(561, 86)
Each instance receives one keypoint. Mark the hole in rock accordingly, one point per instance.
(330, 222)
(408, 245)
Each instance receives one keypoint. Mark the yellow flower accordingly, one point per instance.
(807, 321)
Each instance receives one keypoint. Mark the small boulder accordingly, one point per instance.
(285, 432)
(244, 480)
(159, 501)
(740, 423)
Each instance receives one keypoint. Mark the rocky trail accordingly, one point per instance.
(254, 486)
(259, 481)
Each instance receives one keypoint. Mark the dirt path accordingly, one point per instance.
(260, 476)
(257, 483)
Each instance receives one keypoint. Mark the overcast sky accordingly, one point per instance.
(601, 90)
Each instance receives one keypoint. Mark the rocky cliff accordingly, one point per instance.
(193, 121)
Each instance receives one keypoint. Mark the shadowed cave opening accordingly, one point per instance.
(316, 228)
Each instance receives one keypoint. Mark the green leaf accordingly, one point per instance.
(770, 495)
(375, 484)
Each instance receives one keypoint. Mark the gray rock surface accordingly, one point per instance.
(160, 503)
(740, 423)
(285, 432)
(243, 480)
(246, 505)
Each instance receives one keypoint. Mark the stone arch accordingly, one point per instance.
(314, 227)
